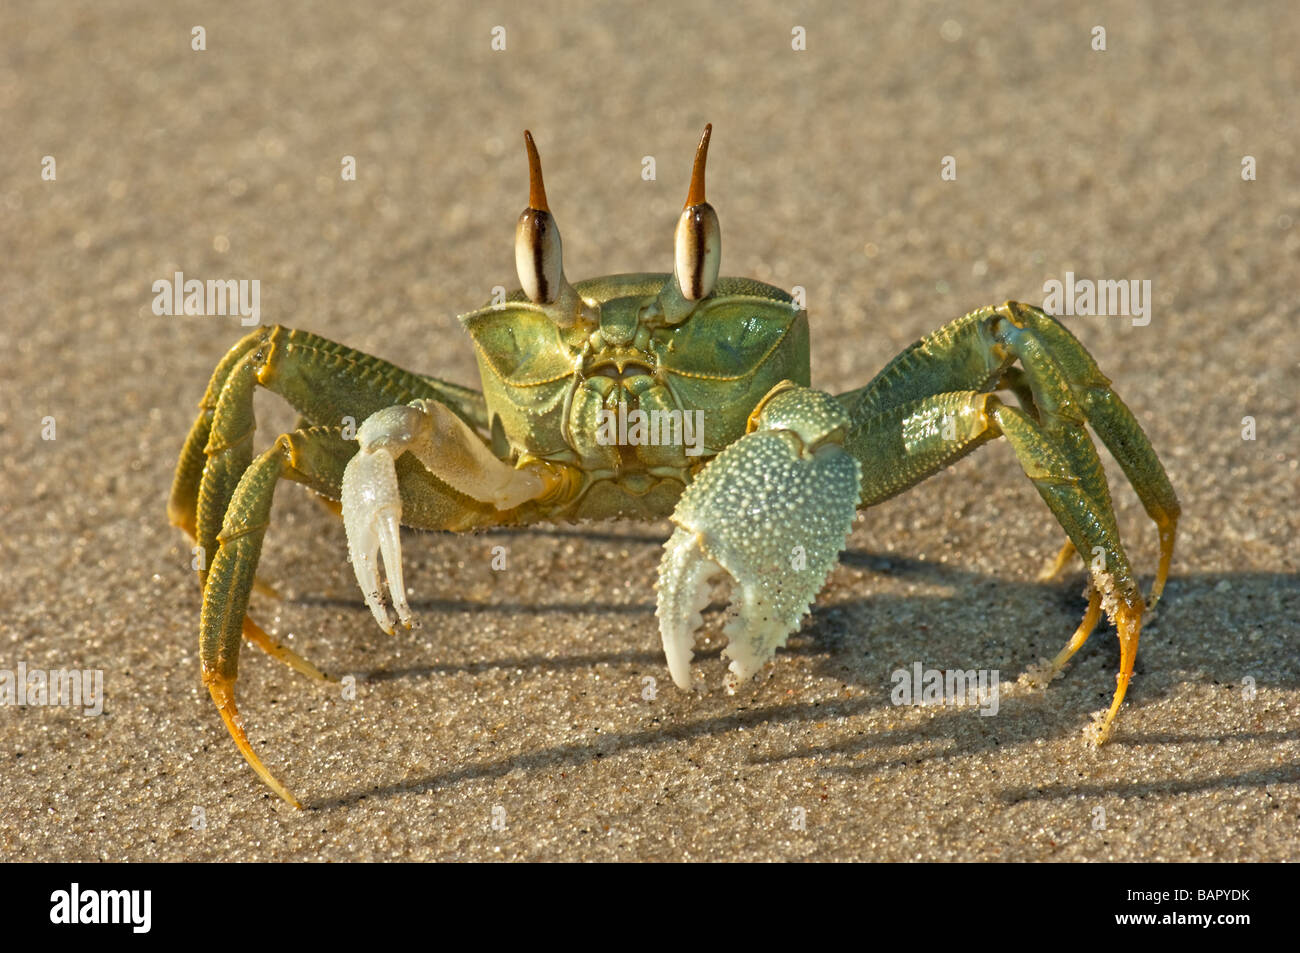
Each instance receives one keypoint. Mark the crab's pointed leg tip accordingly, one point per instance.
(1057, 565)
(1127, 618)
(222, 691)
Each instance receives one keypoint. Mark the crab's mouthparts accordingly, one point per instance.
(622, 370)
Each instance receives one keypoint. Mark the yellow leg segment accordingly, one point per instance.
(1054, 568)
(1128, 622)
(1086, 626)
(1167, 524)
(222, 691)
(255, 634)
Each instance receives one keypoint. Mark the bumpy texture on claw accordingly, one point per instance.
(772, 511)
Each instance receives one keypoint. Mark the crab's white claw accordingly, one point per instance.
(772, 512)
(372, 506)
(372, 517)
(685, 577)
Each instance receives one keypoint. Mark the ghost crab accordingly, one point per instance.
(767, 499)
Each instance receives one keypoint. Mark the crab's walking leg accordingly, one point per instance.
(182, 506)
(1057, 564)
(1060, 389)
(451, 452)
(255, 634)
(324, 381)
(976, 352)
(1014, 380)
(906, 444)
(316, 457)
(1089, 622)
(1117, 428)
(772, 511)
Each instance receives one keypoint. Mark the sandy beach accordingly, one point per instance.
(903, 167)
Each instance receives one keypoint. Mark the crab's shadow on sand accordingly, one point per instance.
(839, 638)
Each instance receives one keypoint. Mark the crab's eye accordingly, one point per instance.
(538, 256)
(699, 251)
(698, 240)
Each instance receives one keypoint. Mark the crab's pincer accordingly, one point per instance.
(772, 512)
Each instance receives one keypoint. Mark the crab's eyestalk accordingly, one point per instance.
(539, 251)
(698, 240)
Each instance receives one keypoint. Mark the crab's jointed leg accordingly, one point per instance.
(323, 380)
(221, 496)
(309, 456)
(978, 351)
(924, 436)
(317, 457)
(778, 487)
(1060, 389)
(1118, 429)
